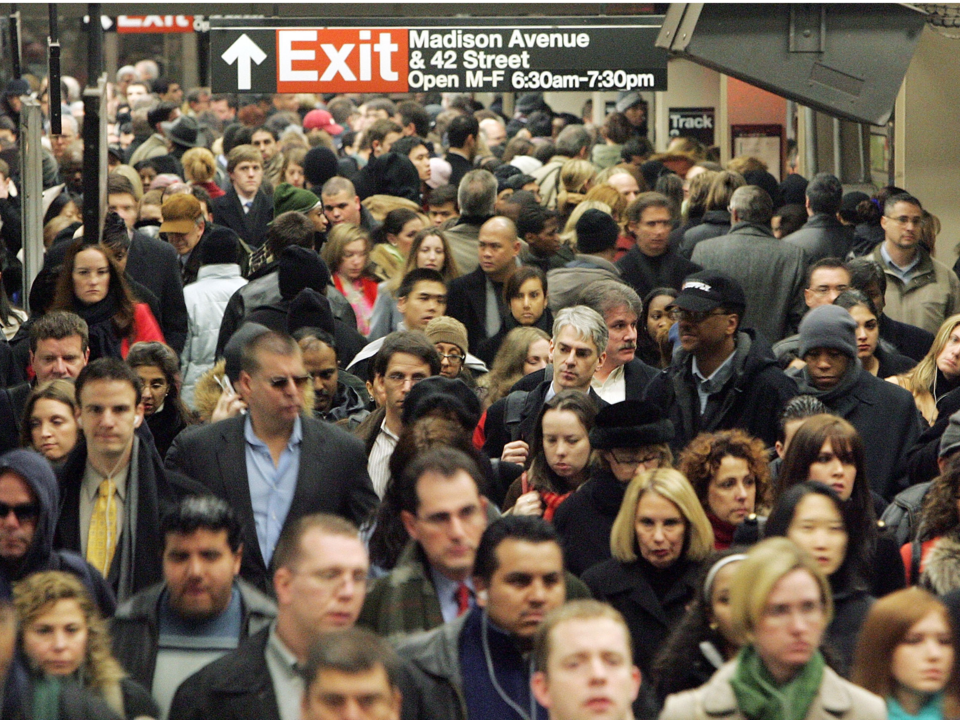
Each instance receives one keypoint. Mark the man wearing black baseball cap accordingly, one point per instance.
(723, 377)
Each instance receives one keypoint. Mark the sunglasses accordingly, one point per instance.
(27, 511)
(280, 382)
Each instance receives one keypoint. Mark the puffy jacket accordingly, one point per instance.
(206, 301)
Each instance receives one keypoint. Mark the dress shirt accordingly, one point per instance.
(707, 386)
(447, 594)
(613, 389)
(271, 486)
(285, 674)
(378, 464)
(904, 272)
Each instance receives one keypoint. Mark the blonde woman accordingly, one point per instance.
(576, 179)
(63, 635)
(780, 607)
(199, 168)
(938, 373)
(658, 542)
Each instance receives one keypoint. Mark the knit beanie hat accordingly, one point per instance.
(447, 330)
(310, 308)
(630, 424)
(445, 393)
(221, 246)
(301, 268)
(319, 165)
(596, 232)
(286, 197)
(828, 326)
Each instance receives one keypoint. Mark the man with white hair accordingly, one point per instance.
(578, 348)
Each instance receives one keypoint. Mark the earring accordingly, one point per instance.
(714, 626)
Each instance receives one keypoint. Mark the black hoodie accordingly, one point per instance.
(35, 471)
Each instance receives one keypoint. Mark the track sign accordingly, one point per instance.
(390, 55)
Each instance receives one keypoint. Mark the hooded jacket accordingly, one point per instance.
(751, 398)
(35, 471)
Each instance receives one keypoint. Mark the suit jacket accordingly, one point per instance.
(467, 302)
(235, 687)
(153, 263)
(332, 478)
(644, 274)
(822, 236)
(252, 226)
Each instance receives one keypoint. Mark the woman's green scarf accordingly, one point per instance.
(46, 698)
(760, 698)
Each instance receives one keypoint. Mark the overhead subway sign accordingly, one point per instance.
(507, 54)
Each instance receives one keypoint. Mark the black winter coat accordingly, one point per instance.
(751, 399)
(584, 521)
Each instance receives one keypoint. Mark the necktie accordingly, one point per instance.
(247, 205)
(463, 599)
(102, 536)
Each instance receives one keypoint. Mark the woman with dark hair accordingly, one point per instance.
(828, 449)
(525, 293)
(703, 640)
(780, 609)
(91, 285)
(908, 654)
(392, 242)
(811, 515)
(932, 559)
(559, 459)
(627, 437)
(730, 474)
(878, 358)
(389, 537)
(868, 233)
(159, 370)
(653, 344)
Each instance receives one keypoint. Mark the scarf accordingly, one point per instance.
(760, 698)
(46, 697)
(849, 379)
(931, 710)
(722, 532)
(361, 294)
(104, 341)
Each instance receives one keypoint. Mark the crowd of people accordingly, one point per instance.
(383, 408)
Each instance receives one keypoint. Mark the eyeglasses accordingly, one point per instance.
(26, 511)
(695, 317)
(281, 381)
(905, 220)
(454, 358)
(632, 459)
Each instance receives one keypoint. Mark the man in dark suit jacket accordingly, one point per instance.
(275, 465)
(823, 235)
(320, 584)
(471, 294)
(462, 133)
(246, 209)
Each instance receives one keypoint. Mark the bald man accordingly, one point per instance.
(476, 299)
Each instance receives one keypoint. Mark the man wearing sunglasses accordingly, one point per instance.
(723, 377)
(29, 504)
(274, 464)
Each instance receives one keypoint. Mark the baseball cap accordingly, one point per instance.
(707, 290)
(321, 120)
(180, 213)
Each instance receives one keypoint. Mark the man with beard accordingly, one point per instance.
(200, 611)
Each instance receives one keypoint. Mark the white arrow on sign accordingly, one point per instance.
(242, 52)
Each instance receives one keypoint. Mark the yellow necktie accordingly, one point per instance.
(102, 536)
